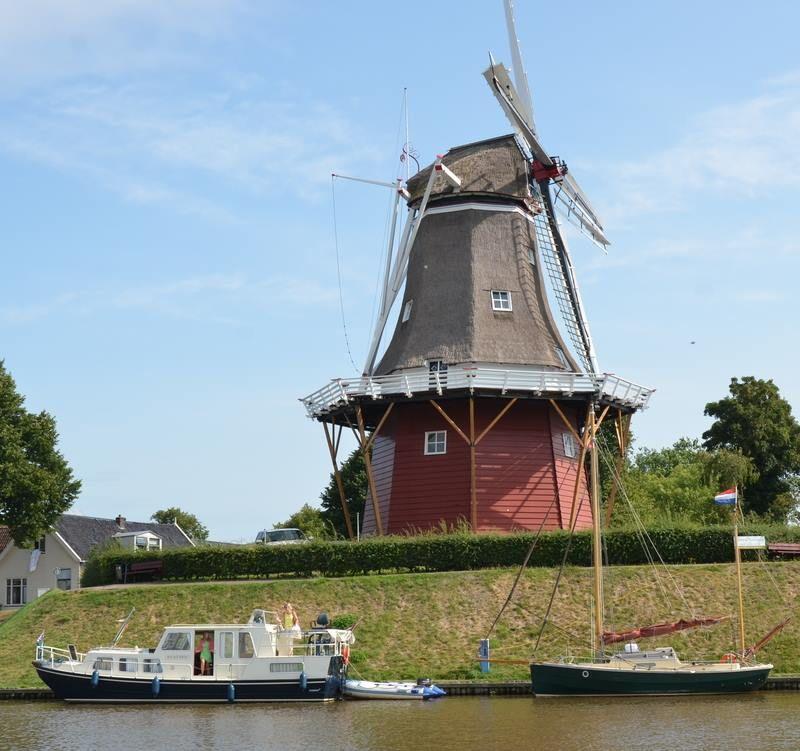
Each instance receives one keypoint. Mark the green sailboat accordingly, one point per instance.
(658, 671)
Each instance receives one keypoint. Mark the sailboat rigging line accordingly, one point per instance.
(339, 274)
(530, 551)
(644, 535)
(522, 567)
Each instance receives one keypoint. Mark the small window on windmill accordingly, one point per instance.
(501, 299)
(437, 370)
(569, 445)
(532, 256)
(407, 311)
(562, 357)
(436, 442)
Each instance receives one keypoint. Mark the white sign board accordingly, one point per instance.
(752, 542)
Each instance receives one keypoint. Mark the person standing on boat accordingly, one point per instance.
(206, 654)
(289, 619)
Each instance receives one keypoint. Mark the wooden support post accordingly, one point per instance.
(368, 467)
(473, 478)
(450, 421)
(379, 426)
(586, 440)
(496, 420)
(333, 448)
(566, 422)
(472, 441)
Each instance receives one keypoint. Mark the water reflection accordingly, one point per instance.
(453, 724)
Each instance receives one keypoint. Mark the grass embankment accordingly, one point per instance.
(428, 624)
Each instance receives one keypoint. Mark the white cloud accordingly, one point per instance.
(152, 144)
(217, 298)
(739, 151)
(47, 40)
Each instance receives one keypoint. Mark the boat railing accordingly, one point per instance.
(57, 656)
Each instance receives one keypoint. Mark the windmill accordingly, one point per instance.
(477, 408)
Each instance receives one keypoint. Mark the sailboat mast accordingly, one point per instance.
(597, 550)
(738, 558)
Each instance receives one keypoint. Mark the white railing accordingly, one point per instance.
(54, 656)
(607, 387)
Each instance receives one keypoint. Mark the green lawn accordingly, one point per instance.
(429, 624)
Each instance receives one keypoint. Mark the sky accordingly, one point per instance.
(169, 287)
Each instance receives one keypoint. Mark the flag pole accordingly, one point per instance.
(738, 558)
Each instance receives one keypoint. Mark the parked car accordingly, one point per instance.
(281, 536)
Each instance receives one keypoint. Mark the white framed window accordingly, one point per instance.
(103, 663)
(562, 357)
(177, 641)
(16, 591)
(40, 546)
(226, 645)
(151, 665)
(569, 445)
(407, 311)
(436, 442)
(246, 649)
(128, 665)
(501, 299)
(532, 256)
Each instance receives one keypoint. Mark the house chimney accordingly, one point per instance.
(120, 520)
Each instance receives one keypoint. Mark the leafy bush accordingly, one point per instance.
(429, 552)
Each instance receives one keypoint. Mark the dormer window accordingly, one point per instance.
(569, 445)
(501, 299)
(407, 311)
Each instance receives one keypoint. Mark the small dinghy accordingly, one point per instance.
(391, 690)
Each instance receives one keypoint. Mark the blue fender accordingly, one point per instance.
(303, 681)
(155, 686)
(95, 679)
(231, 693)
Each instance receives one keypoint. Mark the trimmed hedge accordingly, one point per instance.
(427, 552)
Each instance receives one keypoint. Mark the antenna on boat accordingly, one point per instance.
(123, 625)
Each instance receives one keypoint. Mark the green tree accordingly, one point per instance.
(354, 479)
(756, 421)
(678, 483)
(189, 523)
(36, 483)
(309, 520)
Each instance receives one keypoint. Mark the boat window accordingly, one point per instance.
(226, 644)
(286, 667)
(128, 664)
(152, 665)
(177, 641)
(103, 663)
(246, 645)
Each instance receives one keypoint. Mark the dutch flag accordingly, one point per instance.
(726, 497)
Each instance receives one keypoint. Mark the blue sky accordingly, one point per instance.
(168, 287)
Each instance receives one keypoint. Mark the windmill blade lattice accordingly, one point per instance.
(568, 304)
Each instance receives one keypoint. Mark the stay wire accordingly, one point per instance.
(530, 552)
(339, 275)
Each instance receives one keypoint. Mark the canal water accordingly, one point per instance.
(768, 720)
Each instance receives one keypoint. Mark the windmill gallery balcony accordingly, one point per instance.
(472, 379)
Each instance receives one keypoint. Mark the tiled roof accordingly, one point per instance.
(82, 533)
(5, 537)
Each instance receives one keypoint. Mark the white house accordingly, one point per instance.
(58, 558)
